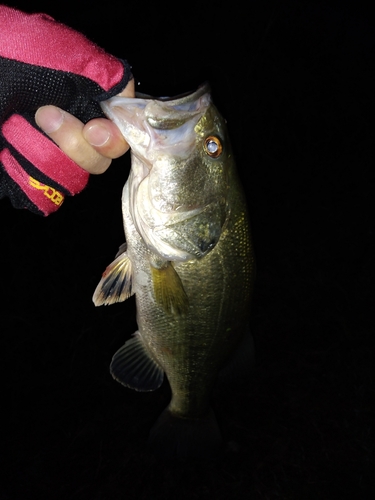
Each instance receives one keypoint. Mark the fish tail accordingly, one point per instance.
(174, 437)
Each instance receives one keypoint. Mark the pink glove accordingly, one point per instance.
(45, 62)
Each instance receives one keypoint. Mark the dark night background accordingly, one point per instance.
(295, 81)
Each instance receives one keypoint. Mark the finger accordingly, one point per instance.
(104, 135)
(129, 90)
(67, 132)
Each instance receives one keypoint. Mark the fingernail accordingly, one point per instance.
(49, 118)
(97, 135)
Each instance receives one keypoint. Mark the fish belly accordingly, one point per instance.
(192, 347)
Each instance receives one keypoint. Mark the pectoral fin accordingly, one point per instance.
(121, 249)
(169, 290)
(116, 283)
(133, 367)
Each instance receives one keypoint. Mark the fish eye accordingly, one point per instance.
(213, 146)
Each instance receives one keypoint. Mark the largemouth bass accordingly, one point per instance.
(188, 258)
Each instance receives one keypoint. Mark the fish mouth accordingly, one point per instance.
(176, 111)
(152, 125)
(182, 98)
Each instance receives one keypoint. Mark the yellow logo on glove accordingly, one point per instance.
(55, 196)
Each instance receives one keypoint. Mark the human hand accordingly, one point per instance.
(92, 146)
(43, 62)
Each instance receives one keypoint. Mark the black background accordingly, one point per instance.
(295, 81)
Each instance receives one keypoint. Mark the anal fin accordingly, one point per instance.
(116, 283)
(133, 367)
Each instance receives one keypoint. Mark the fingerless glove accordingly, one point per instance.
(45, 62)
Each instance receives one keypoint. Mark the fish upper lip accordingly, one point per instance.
(189, 96)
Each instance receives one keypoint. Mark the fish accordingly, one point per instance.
(188, 258)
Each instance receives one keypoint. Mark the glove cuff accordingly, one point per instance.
(38, 167)
(26, 192)
(44, 155)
